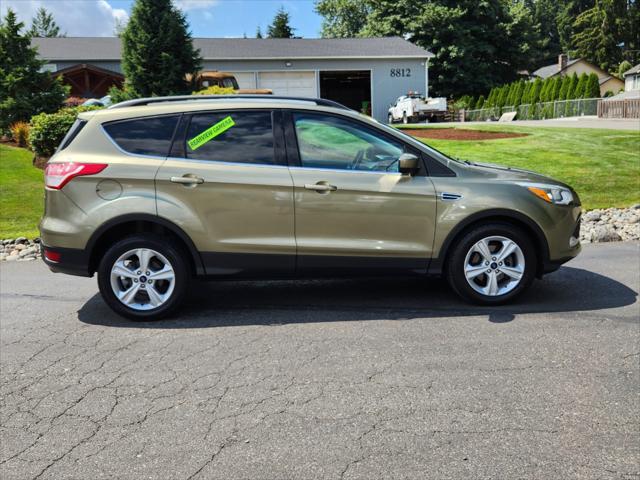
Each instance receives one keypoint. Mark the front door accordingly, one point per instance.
(354, 209)
(226, 184)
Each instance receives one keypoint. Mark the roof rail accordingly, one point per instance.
(321, 102)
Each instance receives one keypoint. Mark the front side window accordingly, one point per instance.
(144, 136)
(237, 137)
(326, 141)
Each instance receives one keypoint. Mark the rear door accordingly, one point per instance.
(354, 210)
(227, 185)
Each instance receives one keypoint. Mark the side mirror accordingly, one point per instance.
(408, 164)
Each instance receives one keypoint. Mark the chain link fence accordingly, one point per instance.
(538, 111)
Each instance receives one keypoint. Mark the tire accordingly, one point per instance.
(154, 297)
(405, 120)
(390, 119)
(497, 282)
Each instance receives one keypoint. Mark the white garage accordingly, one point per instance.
(245, 79)
(295, 84)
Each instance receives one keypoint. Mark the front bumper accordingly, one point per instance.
(71, 261)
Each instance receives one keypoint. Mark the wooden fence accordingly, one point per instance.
(629, 108)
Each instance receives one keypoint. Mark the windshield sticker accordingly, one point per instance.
(210, 133)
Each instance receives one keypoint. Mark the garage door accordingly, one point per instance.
(245, 79)
(295, 84)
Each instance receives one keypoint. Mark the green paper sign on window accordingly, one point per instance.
(210, 133)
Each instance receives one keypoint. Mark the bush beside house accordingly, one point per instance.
(48, 129)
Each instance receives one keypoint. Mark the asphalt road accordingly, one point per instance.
(366, 379)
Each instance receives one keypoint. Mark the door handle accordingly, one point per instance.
(320, 187)
(185, 180)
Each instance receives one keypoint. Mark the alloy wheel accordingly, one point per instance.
(142, 279)
(494, 266)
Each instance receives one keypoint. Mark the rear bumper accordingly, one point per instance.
(71, 261)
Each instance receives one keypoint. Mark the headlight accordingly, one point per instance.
(550, 193)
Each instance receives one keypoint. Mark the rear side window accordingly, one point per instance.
(237, 137)
(72, 134)
(144, 136)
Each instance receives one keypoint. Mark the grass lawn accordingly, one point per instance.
(602, 165)
(21, 193)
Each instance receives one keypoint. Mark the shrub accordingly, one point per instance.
(74, 101)
(215, 90)
(20, 133)
(121, 94)
(48, 129)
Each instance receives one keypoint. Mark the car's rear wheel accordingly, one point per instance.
(143, 278)
(405, 120)
(492, 264)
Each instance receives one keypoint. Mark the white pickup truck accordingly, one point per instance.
(413, 107)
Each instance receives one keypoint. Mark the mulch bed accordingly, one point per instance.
(460, 134)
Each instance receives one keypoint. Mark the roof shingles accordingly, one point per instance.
(108, 48)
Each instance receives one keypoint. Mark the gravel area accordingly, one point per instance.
(19, 249)
(606, 225)
(611, 225)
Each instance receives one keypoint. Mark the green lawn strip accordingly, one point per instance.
(21, 193)
(602, 165)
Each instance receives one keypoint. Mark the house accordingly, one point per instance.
(631, 85)
(361, 73)
(632, 79)
(567, 66)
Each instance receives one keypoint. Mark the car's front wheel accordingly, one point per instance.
(143, 278)
(492, 264)
(390, 119)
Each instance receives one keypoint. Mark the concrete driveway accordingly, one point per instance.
(338, 379)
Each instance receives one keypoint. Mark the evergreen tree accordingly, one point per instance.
(342, 18)
(592, 89)
(157, 50)
(599, 30)
(24, 90)
(476, 44)
(534, 95)
(564, 87)
(573, 83)
(258, 33)
(544, 91)
(526, 93)
(44, 25)
(557, 85)
(504, 96)
(623, 67)
(480, 102)
(280, 27)
(582, 84)
(491, 99)
(511, 97)
(547, 48)
(567, 14)
(519, 93)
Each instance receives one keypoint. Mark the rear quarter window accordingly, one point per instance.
(249, 140)
(144, 136)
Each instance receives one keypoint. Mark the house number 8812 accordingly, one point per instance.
(400, 72)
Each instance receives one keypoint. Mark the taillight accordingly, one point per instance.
(57, 175)
(52, 256)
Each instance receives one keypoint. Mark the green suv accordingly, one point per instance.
(151, 193)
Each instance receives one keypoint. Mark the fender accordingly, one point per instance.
(133, 217)
(437, 264)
